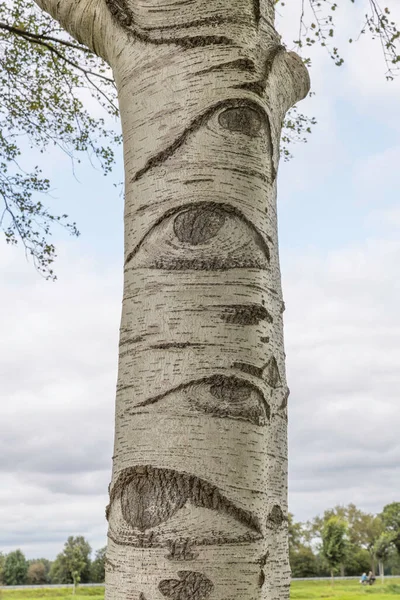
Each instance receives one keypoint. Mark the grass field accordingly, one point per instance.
(345, 590)
(301, 590)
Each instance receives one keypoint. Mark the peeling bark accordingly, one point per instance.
(200, 460)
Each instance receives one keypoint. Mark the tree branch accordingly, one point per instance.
(41, 40)
(44, 37)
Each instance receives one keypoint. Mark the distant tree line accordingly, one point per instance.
(72, 565)
(344, 541)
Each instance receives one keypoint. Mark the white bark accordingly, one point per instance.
(86, 20)
(198, 498)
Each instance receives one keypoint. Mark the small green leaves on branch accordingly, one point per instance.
(318, 26)
(46, 79)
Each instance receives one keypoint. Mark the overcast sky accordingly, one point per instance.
(339, 208)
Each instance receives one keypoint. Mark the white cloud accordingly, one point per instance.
(58, 362)
(342, 330)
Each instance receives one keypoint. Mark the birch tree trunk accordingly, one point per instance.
(198, 497)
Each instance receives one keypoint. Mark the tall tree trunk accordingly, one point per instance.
(381, 571)
(198, 498)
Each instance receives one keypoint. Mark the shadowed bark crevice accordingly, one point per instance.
(249, 369)
(156, 35)
(259, 86)
(241, 64)
(271, 373)
(246, 314)
(257, 11)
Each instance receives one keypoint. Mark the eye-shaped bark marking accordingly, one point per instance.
(149, 497)
(205, 236)
(205, 119)
(219, 396)
(242, 119)
(198, 225)
(190, 586)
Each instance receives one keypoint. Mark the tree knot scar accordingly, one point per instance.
(120, 11)
(262, 561)
(199, 224)
(203, 236)
(246, 314)
(275, 517)
(242, 119)
(190, 586)
(147, 498)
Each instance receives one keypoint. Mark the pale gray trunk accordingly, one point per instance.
(198, 498)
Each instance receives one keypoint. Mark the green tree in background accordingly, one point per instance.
(392, 565)
(391, 520)
(2, 561)
(15, 568)
(303, 562)
(357, 560)
(295, 532)
(334, 543)
(36, 574)
(363, 529)
(97, 568)
(382, 551)
(72, 565)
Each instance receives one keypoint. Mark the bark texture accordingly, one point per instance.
(198, 498)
